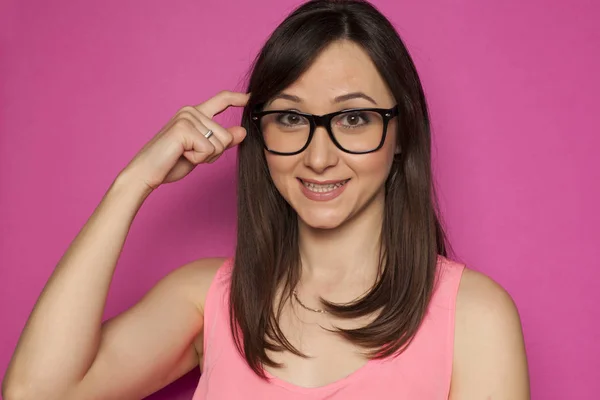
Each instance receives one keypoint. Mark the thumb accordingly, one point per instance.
(238, 133)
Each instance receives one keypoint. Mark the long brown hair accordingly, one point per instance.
(267, 255)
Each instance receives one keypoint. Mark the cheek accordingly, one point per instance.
(374, 168)
(377, 165)
(281, 169)
(391, 139)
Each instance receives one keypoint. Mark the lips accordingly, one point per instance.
(322, 190)
(323, 186)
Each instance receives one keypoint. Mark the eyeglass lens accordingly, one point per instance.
(357, 131)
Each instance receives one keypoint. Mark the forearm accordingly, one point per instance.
(61, 338)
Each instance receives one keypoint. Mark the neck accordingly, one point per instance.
(341, 264)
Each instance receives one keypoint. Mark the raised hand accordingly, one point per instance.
(190, 138)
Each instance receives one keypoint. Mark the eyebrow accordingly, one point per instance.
(338, 99)
(353, 95)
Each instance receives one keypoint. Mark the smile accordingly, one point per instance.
(323, 187)
(322, 191)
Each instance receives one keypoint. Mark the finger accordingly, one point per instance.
(229, 137)
(198, 150)
(197, 147)
(220, 137)
(235, 135)
(222, 101)
(223, 135)
(238, 133)
(219, 148)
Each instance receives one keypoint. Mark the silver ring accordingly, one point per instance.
(208, 134)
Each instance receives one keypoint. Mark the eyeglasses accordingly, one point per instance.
(354, 131)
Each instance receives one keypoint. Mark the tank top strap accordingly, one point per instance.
(427, 361)
(447, 282)
(216, 310)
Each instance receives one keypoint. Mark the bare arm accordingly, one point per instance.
(489, 351)
(64, 351)
(156, 341)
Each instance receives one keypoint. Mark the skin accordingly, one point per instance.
(337, 237)
(337, 263)
(160, 338)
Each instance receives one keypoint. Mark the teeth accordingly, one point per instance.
(313, 187)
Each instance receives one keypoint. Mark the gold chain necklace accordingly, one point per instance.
(315, 310)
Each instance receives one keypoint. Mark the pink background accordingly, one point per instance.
(513, 88)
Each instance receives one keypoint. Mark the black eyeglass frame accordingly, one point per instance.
(325, 121)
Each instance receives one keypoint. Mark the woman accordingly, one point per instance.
(340, 287)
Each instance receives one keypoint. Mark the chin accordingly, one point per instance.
(319, 220)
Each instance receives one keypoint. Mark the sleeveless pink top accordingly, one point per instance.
(422, 371)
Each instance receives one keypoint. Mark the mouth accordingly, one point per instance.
(324, 186)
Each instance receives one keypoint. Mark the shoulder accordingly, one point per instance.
(195, 278)
(481, 299)
(489, 352)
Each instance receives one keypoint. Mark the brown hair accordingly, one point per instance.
(267, 256)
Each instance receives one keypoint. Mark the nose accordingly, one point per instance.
(321, 153)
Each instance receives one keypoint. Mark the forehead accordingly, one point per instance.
(343, 67)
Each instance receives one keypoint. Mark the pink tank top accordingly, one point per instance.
(422, 371)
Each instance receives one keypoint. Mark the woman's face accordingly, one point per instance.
(341, 69)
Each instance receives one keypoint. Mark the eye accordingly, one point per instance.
(290, 119)
(353, 119)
